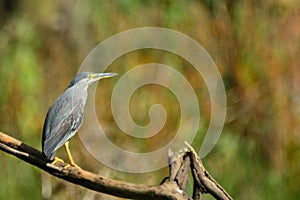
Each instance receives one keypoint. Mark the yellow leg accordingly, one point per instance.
(72, 163)
(69, 153)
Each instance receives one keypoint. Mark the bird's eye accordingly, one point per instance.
(90, 76)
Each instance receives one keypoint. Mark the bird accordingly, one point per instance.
(65, 117)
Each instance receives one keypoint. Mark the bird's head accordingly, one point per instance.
(89, 77)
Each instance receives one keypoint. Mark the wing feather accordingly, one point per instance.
(63, 120)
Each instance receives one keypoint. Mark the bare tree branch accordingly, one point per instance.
(87, 179)
(204, 180)
(174, 188)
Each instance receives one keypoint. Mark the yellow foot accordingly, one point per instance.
(71, 165)
(57, 159)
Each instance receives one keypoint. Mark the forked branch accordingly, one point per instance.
(174, 188)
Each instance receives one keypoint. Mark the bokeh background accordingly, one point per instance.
(255, 44)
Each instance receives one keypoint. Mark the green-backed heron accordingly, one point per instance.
(65, 116)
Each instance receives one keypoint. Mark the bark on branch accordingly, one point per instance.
(174, 188)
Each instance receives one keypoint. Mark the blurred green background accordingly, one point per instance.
(255, 44)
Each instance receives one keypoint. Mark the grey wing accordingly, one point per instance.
(63, 119)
